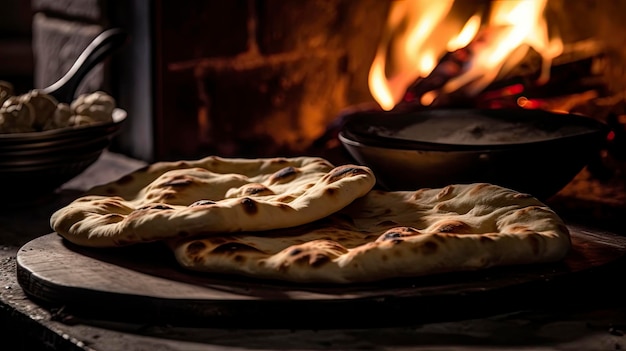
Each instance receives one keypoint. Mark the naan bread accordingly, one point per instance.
(221, 195)
(392, 234)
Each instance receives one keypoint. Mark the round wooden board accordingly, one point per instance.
(144, 284)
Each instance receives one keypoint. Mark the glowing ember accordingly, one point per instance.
(420, 32)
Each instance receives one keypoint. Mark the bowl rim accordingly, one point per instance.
(358, 128)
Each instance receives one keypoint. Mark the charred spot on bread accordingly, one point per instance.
(178, 182)
(295, 251)
(234, 247)
(167, 196)
(397, 233)
(257, 189)
(249, 205)
(202, 203)
(344, 171)
(154, 207)
(392, 235)
(284, 175)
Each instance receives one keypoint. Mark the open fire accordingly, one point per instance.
(471, 46)
(494, 54)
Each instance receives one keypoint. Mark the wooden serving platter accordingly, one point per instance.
(144, 284)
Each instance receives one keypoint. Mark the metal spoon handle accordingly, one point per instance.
(104, 44)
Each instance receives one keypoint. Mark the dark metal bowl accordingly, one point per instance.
(531, 151)
(35, 164)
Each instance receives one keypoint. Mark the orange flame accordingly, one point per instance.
(420, 32)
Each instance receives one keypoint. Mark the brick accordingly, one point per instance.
(349, 30)
(285, 25)
(198, 29)
(56, 46)
(279, 107)
(364, 23)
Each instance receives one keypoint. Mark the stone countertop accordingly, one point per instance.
(592, 317)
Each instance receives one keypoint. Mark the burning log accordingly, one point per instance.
(573, 80)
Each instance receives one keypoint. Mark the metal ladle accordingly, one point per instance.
(102, 46)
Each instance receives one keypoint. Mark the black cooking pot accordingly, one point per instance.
(533, 151)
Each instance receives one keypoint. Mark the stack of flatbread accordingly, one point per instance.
(306, 220)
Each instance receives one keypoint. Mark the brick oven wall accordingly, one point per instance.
(231, 78)
(259, 78)
(246, 77)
